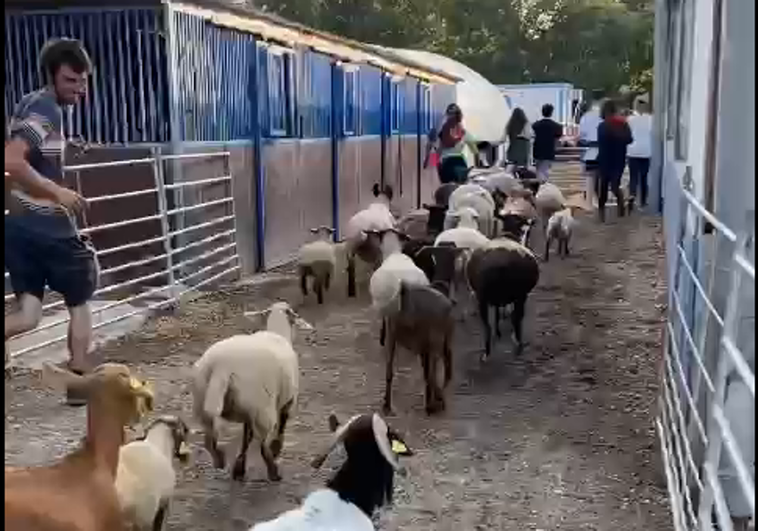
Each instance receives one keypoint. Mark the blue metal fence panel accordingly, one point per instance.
(410, 110)
(315, 96)
(127, 99)
(371, 80)
(216, 82)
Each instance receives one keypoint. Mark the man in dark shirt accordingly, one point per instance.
(43, 247)
(547, 132)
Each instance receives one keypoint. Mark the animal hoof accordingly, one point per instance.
(387, 410)
(435, 407)
(219, 461)
(276, 448)
(238, 472)
(483, 358)
(274, 475)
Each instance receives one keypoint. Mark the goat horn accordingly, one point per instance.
(337, 438)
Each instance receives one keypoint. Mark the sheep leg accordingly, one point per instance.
(351, 276)
(428, 397)
(497, 322)
(278, 443)
(304, 283)
(390, 372)
(211, 444)
(271, 468)
(447, 353)
(319, 289)
(383, 332)
(327, 281)
(484, 316)
(566, 247)
(435, 401)
(547, 249)
(240, 464)
(160, 517)
(517, 320)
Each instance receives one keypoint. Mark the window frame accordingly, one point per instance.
(280, 85)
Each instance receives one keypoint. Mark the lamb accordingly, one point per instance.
(317, 259)
(363, 484)
(503, 273)
(517, 215)
(560, 227)
(250, 379)
(78, 493)
(376, 217)
(415, 224)
(145, 478)
(438, 263)
(423, 322)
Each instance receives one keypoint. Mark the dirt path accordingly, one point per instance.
(559, 439)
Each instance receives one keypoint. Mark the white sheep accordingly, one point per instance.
(377, 217)
(384, 285)
(466, 234)
(254, 380)
(317, 259)
(478, 198)
(561, 225)
(145, 477)
(506, 183)
(549, 200)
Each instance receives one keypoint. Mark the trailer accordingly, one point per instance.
(564, 97)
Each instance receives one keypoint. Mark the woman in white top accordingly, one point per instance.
(639, 152)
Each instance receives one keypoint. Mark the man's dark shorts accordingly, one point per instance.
(66, 265)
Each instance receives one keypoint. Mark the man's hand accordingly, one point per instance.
(70, 200)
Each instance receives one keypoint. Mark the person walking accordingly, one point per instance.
(43, 247)
(547, 133)
(588, 139)
(519, 135)
(640, 151)
(613, 137)
(450, 140)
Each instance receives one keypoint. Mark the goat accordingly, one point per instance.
(364, 482)
(78, 493)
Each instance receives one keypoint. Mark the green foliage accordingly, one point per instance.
(590, 43)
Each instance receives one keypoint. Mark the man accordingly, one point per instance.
(640, 152)
(547, 133)
(43, 247)
(588, 139)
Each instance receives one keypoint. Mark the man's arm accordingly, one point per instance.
(19, 173)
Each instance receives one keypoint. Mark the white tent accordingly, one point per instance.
(485, 112)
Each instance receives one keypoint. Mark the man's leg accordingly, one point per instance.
(75, 276)
(644, 170)
(27, 276)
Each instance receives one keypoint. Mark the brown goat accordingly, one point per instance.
(79, 493)
(423, 323)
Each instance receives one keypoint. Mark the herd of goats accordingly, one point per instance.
(472, 241)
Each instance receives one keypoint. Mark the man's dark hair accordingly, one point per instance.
(547, 110)
(63, 51)
(609, 108)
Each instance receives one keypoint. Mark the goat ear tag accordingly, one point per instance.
(399, 447)
(184, 449)
(134, 383)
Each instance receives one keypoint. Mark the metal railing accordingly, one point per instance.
(180, 268)
(707, 406)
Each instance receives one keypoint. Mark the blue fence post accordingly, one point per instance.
(419, 111)
(260, 189)
(385, 126)
(335, 137)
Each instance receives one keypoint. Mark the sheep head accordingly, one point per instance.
(179, 433)
(110, 384)
(385, 190)
(278, 309)
(323, 232)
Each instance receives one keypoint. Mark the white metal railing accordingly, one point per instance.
(706, 421)
(188, 267)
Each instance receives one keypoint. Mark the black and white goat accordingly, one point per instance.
(363, 484)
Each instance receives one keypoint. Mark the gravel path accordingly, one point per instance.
(559, 439)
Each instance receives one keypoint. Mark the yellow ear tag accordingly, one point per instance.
(184, 449)
(134, 383)
(398, 447)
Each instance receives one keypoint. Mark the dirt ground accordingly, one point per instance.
(561, 438)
